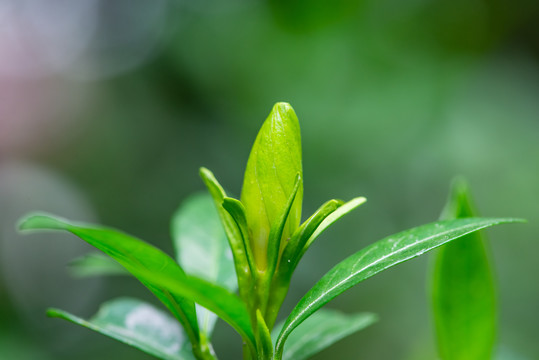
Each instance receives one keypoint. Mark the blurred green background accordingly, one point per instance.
(108, 109)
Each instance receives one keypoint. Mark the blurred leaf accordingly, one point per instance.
(137, 324)
(320, 331)
(95, 264)
(463, 293)
(202, 248)
(301, 15)
(141, 259)
(378, 257)
(274, 162)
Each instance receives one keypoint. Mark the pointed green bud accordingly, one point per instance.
(272, 169)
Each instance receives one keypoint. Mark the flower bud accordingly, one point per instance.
(272, 168)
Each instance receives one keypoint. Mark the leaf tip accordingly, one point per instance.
(54, 313)
(283, 111)
(41, 221)
(360, 200)
(204, 173)
(518, 220)
(282, 107)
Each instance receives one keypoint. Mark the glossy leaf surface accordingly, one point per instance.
(378, 257)
(304, 232)
(159, 273)
(137, 324)
(237, 211)
(233, 232)
(223, 303)
(95, 264)
(321, 330)
(277, 230)
(202, 248)
(138, 257)
(463, 291)
(291, 256)
(273, 164)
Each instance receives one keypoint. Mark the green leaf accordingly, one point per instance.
(160, 274)
(378, 257)
(223, 303)
(269, 180)
(265, 347)
(321, 330)
(135, 255)
(463, 290)
(331, 219)
(95, 264)
(277, 229)
(304, 232)
(233, 232)
(290, 258)
(237, 212)
(202, 248)
(137, 324)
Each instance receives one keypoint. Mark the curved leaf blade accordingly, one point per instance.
(159, 273)
(141, 259)
(378, 257)
(202, 248)
(137, 324)
(264, 345)
(95, 264)
(232, 231)
(276, 232)
(304, 232)
(463, 290)
(331, 219)
(223, 303)
(237, 211)
(291, 256)
(321, 330)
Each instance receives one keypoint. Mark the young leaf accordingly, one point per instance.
(378, 257)
(330, 220)
(264, 347)
(269, 180)
(290, 257)
(95, 264)
(159, 273)
(276, 231)
(202, 248)
(304, 236)
(463, 291)
(233, 232)
(321, 330)
(137, 324)
(237, 211)
(303, 233)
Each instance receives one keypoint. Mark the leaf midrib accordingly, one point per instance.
(317, 300)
